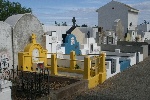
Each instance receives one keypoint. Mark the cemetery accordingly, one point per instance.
(41, 62)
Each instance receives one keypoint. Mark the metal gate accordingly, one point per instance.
(31, 85)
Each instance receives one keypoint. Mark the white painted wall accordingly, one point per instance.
(86, 47)
(95, 30)
(59, 30)
(115, 63)
(52, 44)
(144, 27)
(132, 17)
(107, 15)
(146, 36)
(108, 69)
(139, 57)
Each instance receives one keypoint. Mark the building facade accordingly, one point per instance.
(113, 10)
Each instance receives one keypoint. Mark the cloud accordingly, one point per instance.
(84, 15)
(85, 11)
(144, 8)
(96, 1)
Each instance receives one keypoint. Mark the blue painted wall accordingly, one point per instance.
(124, 64)
(68, 47)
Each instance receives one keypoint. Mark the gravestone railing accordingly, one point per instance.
(31, 85)
(94, 76)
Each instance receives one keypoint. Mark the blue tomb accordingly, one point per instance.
(71, 44)
(124, 64)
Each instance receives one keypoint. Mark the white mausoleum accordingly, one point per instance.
(113, 10)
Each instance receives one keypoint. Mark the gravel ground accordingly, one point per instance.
(131, 84)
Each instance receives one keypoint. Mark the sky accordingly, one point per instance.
(49, 11)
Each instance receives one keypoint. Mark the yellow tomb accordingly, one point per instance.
(33, 58)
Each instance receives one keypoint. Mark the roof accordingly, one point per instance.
(12, 20)
(71, 29)
(86, 29)
(131, 8)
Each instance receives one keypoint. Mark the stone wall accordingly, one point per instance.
(6, 56)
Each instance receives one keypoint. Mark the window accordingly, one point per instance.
(133, 33)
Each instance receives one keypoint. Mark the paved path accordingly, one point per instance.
(131, 84)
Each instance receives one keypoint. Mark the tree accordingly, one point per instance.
(58, 24)
(145, 22)
(64, 24)
(8, 8)
(84, 25)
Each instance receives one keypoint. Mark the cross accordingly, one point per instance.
(33, 38)
(88, 34)
(74, 21)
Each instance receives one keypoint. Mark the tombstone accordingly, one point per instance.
(97, 39)
(6, 56)
(5, 91)
(23, 26)
(110, 37)
(67, 32)
(71, 44)
(118, 28)
(51, 43)
(89, 47)
(100, 36)
(78, 34)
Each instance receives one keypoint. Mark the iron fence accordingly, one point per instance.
(31, 85)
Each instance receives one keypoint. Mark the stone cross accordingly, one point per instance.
(33, 38)
(74, 21)
(88, 34)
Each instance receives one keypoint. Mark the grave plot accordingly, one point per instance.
(36, 86)
(34, 80)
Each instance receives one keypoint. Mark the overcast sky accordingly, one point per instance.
(49, 11)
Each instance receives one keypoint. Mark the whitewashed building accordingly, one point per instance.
(116, 10)
(144, 31)
(59, 30)
(144, 27)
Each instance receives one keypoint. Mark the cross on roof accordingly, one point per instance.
(33, 38)
(88, 34)
(74, 21)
